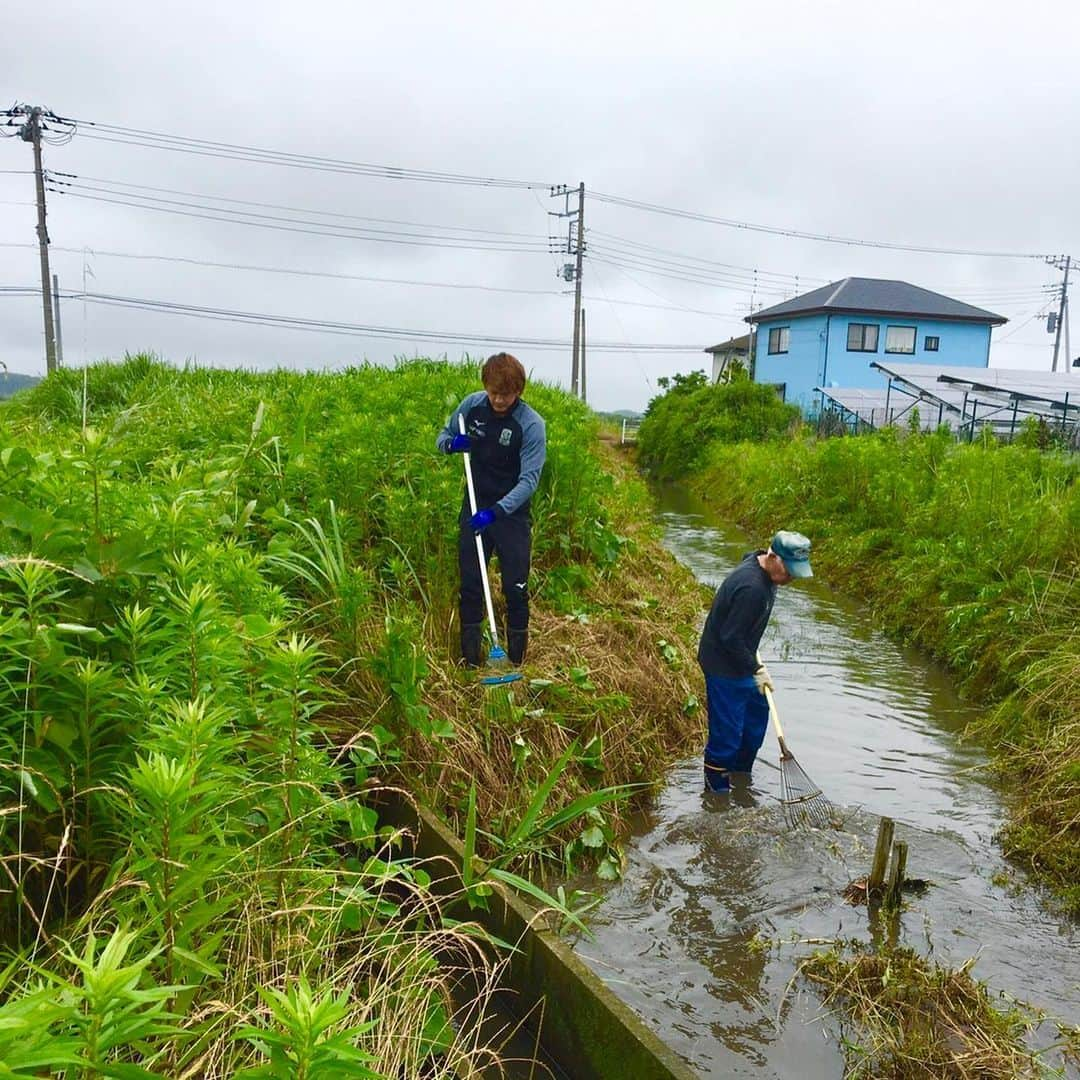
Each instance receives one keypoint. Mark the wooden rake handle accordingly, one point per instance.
(774, 715)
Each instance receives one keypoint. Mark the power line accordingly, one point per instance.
(163, 141)
(346, 329)
(1017, 329)
(94, 183)
(291, 271)
(653, 208)
(332, 275)
(620, 242)
(282, 224)
(689, 272)
(711, 283)
(206, 147)
(696, 265)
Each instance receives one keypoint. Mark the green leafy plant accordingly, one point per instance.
(118, 1009)
(305, 1038)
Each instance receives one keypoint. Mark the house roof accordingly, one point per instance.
(735, 344)
(877, 296)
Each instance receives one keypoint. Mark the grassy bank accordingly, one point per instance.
(971, 551)
(226, 619)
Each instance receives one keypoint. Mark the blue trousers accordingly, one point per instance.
(738, 718)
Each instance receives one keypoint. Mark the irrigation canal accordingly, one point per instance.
(719, 900)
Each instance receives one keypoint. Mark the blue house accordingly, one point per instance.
(828, 337)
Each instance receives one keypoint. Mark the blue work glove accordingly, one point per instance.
(481, 520)
(457, 444)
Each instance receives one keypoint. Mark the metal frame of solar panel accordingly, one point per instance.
(1000, 397)
(867, 409)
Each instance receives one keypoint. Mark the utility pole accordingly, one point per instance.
(31, 133)
(575, 388)
(575, 245)
(584, 396)
(56, 319)
(35, 125)
(1063, 308)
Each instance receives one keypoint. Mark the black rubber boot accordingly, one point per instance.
(717, 779)
(472, 635)
(517, 641)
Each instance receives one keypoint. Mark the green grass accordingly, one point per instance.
(226, 614)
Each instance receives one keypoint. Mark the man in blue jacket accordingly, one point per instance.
(734, 680)
(507, 444)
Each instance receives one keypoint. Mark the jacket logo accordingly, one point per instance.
(505, 436)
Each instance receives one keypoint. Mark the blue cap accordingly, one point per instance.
(794, 549)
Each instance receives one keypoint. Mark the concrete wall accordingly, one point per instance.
(585, 1028)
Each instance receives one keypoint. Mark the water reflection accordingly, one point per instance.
(703, 935)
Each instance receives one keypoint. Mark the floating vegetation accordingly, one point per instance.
(905, 1018)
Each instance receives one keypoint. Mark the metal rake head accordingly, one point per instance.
(804, 804)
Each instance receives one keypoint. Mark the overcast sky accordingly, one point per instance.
(945, 125)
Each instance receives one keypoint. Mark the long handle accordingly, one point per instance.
(774, 715)
(479, 541)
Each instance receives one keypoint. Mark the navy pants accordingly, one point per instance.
(511, 539)
(738, 719)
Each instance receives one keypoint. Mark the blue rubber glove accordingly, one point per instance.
(481, 520)
(457, 444)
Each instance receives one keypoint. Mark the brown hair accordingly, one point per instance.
(503, 372)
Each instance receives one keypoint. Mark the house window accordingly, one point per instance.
(900, 339)
(862, 337)
(779, 339)
(931, 343)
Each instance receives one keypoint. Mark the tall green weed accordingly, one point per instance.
(191, 583)
(681, 424)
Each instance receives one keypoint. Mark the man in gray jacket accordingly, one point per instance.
(507, 444)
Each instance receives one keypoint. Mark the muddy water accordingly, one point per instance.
(719, 900)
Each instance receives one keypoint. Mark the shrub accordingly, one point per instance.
(682, 423)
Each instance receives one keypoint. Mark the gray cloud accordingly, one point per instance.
(945, 126)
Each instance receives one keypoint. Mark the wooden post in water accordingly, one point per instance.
(895, 883)
(886, 827)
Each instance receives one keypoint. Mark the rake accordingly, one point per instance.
(801, 798)
(498, 702)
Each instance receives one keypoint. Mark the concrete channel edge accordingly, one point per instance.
(585, 1027)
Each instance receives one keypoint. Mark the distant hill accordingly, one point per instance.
(620, 414)
(11, 381)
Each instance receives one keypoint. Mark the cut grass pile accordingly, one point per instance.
(905, 1018)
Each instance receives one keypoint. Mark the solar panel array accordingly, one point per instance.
(878, 408)
(1055, 391)
(963, 398)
